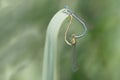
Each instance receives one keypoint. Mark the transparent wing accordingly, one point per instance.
(74, 59)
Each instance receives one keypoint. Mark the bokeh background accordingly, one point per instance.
(23, 25)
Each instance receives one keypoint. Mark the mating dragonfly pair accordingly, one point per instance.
(72, 43)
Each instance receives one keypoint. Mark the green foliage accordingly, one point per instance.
(50, 50)
(23, 25)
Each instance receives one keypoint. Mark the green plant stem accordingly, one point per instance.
(50, 50)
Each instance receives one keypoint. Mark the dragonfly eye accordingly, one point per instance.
(73, 40)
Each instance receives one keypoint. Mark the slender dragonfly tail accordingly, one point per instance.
(74, 59)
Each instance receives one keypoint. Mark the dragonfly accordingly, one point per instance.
(74, 54)
(72, 43)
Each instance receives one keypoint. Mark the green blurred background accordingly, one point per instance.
(23, 25)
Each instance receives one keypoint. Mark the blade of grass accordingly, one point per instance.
(50, 50)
